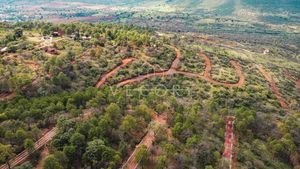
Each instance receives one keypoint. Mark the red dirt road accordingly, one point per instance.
(23, 156)
(208, 68)
(272, 83)
(174, 70)
(113, 72)
(7, 96)
(147, 141)
(229, 140)
(298, 84)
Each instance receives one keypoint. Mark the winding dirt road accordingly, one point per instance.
(273, 86)
(174, 70)
(207, 73)
(113, 72)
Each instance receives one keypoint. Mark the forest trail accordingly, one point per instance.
(298, 84)
(273, 86)
(44, 140)
(230, 140)
(24, 155)
(174, 70)
(208, 68)
(44, 154)
(7, 96)
(147, 141)
(104, 78)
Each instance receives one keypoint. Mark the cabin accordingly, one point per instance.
(266, 51)
(86, 38)
(50, 50)
(4, 49)
(57, 33)
(46, 37)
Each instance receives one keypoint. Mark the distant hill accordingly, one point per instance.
(255, 10)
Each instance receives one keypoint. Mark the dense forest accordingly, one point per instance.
(52, 74)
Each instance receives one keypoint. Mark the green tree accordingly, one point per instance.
(70, 152)
(78, 140)
(114, 111)
(51, 162)
(29, 145)
(62, 158)
(161, 162)
(6, 154)
(98, 155)
(18, 32)
(142, 156)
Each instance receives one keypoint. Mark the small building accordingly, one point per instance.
(46, 37)
(4, 49)
(266, 51)
(57, 33)
(50, 50)
(86, 38)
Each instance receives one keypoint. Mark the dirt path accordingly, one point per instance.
(174, 70)
(44, 154)
(273, 86)
(32, 65)
(229, 140)
(7, 96)
(23, 156)
(208, 68)
(44, 140)
(147, 141)
(298, 84)
(104, 78)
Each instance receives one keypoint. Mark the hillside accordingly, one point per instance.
(93, 92)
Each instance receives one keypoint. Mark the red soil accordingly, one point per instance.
(44, 140)
(208, 68)
(44, 154)
(174, 70)
(274, 88)
(147, 141)
(32, 65)
(23, 156)
(113, 72)
(298, 84)
(7, 96)
(229, 139)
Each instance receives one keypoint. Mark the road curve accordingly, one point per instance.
(104, 78)
(272, 83)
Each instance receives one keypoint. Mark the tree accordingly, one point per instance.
(143, 111)
(62, 158)
(142, 155)
(161, 162)
(130, 125)
(18, 32)
(78, 140)
(114, 111)
(51, 162)
(6, 154)
(62, 80)
(29, 145)
(26, 165)
(98, 155)
(70, 152)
